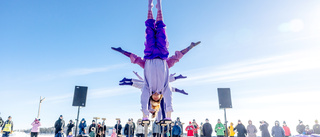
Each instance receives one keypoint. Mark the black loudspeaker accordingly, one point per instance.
(224, 98)
(80, 96)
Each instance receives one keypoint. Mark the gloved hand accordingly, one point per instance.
(11, 132)
(180, 77)
(181, 91)
(1, 131)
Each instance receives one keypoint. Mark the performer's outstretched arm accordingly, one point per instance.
(179, 54)
(119, 49)
(138, 75)
(184, 51)
(134, 58)
(179, 91)
(172, 77)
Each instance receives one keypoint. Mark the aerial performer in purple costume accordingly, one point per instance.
(156, 63)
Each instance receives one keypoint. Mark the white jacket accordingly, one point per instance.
(140, 129)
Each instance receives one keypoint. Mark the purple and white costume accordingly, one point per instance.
(156, 70)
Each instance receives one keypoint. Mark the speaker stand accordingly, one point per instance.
(225, 121)
(77, 121)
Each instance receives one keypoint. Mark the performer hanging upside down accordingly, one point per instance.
(156, 63)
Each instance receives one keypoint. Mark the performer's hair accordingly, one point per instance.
(155, 105)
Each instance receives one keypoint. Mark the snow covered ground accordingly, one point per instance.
(22, 134)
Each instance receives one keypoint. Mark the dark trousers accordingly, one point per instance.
(175, 136)
(59, 134)
(196, 135)
(81, 131)
(34, 134)
(5, 134)
(220, 136)
(56, 132)
(139, 135)
(156, 134)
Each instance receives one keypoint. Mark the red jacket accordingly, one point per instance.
(190, 130)
(286, 131)
(196, 127)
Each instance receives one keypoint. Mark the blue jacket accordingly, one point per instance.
(277, 131)
(83, 125)
(155, 128)
(176, 130)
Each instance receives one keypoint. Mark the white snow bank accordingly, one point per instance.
(22, 134)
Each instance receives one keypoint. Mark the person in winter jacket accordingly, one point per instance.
(155, 129)
(219, 129)
(300, 127)
(114, 133)
(129, 129)
(118, 127)
(165, 131)
(176, 130)
(190, 130)
(70, 126)
(201, 130)
(35, 128)
(59, 125)
(286, 129)
(251, 129)
(92, 127)
(70, 135)
(1, 122)
(242, 132)
(207, 129)
(104, 129)
(264, 129)
(99, 130)
(316, 127)
(140, 129)
(134, 126)
(277, 131)
(307, 131)
(180, 125)
(7, 127)
(82, 127)
(196, 127)
(225, 132)
(232, 133)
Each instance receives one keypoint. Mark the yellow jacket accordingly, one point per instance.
(231, 129)
(8, 126)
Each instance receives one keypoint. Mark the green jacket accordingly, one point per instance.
(220, 132)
